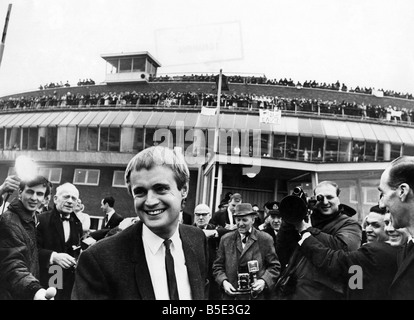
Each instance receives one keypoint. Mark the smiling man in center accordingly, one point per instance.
(136, 263)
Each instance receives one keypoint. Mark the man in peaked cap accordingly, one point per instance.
(274, 220)
(241, 246)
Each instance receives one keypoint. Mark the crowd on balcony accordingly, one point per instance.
(337, 86)
(190, 99)
(53, 85)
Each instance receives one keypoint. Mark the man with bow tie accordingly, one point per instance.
(239, 247)
(397, 195)
(58, 237)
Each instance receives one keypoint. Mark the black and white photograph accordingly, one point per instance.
(221, 153)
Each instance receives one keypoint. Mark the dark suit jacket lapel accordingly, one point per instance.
(194, 273)
(404, 264)
(57, 225)
(142, 275)
(112, 220)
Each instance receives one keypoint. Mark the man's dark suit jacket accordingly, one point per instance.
(50, 237)
(115, 268)
(271, 232)
(115, 220)
(220, 219)
(402, 287)
(378, 262)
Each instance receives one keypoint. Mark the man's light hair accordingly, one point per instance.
(159, 156)
(63, 186)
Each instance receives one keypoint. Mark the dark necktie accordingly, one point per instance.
(169, 266)
(246, 237)
(105, 221)
(65, 218)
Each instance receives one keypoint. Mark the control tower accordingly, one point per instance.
(130, 67)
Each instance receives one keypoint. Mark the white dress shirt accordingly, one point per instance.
(155, 255)
(230, 215)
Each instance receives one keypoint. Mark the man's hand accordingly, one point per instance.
(10, 184)
(43, 294)
(210, 233)
(230, 226)
(64, 260)
(228, 288)
(259, 285)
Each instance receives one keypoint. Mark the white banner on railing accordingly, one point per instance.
(270, 116)
(208, 111)
(378, 93)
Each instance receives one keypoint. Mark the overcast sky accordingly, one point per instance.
(366, 43)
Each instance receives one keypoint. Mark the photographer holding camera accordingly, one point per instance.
(330, 223)
(246, 266)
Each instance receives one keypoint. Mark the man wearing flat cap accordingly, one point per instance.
(239, 247)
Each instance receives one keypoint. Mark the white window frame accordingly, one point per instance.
(49, 175)
(113, 179)
(86, 177)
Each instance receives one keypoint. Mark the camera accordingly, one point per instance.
(243, 282)
(297, 207)
(246, 279)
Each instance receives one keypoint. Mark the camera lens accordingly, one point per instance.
(297, 191)
(320, 197)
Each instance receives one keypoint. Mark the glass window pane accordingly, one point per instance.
(80, 176)
(1, 138)
(149, 137)
(13, 138)
(112, 66)
(395, 151)
(254, 143)
(265, 145)
(380, 152)
(317, 149)
(114, 139)
(55, 175)
(125, 65)
(103, 141)
(83, 139)
(25, 140)
(51, 138)
(93, 139)
(33, 137)
(305, 148)
(92, 177)
(358, 149)
(139, 64)
(344, 151)
(291, 147)
(118, 179)
(42, 138)
(331, 152)
(138, 140)
(279, 142)
(369, 152)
